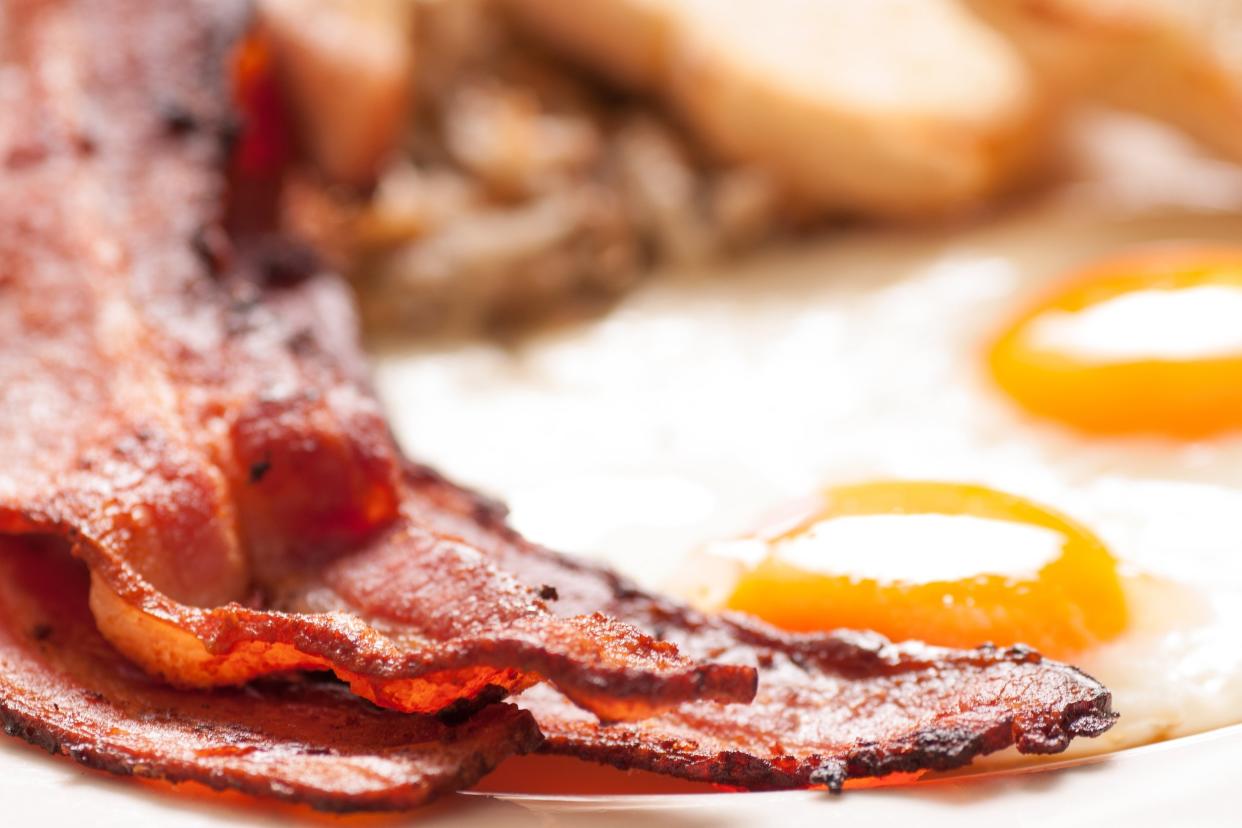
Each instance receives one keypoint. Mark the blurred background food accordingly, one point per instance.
(483, 163)
(1176, 60)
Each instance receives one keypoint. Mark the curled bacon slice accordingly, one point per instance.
(194, 422)
(829, 708)
(64, 688)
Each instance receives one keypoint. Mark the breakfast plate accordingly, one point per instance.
(941, 518)
(646, 494)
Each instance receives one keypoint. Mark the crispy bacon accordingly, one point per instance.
(192, 417)
(64, 688)
(829, 708)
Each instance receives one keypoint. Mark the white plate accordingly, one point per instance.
(1190, 781)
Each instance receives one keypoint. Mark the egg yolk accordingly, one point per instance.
(1149, 342)
(947, 563)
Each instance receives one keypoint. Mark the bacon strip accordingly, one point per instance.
(76, 418)
(194, 422)
(64, 688)
(830, 707)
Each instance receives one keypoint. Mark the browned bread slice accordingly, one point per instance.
(891, 108)
(1177, 60)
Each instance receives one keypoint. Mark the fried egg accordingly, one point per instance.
(947, 563)
(880, 431)
(961, 564)
(1149, 341)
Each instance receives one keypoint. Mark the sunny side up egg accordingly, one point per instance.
(961, 564)
(1150, 342)
(948, 563)
(823, 387)
(1144, 342)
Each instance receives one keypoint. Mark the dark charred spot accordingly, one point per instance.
(626, 591)
(178, 119)
(228, 133)
(949, 745)
(259, 469)
(831, 775)
(462, 709)
(279, 263)
(211, 246)
(84, 755)
(487, 511)
(84, 144)
(301, 342)
(547, 592)
(1023, 654)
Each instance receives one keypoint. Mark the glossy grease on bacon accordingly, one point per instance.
(65, 689)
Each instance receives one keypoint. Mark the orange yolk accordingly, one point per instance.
(1149, 342)
(946, 563)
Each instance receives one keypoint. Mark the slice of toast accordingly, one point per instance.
(1176, 60)
(889, 108)
(626, 40)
